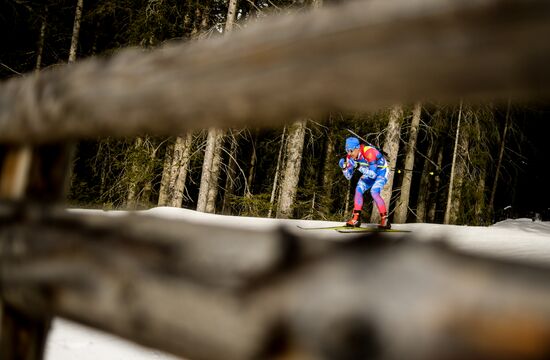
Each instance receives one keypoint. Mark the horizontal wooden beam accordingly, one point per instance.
(243, 294)
(361, 55)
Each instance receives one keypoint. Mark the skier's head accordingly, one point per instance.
(352, 143)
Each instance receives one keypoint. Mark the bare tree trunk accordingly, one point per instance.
(461, 173)
(148, 185)
(480, 165)
(327, 178)
(480, 199)
(131, 197)
(176, 165)
(206, 170)
(231, 174)
(166, 173)
(391, 149)
(452, 207)
(215, 172)
(499, 162)
(328, 175)
(402, 208)
(76, 30)
(41, 39)
(217, 134)
(424, 189)
(104, 164)
(277, 172)
(437, 181)
(183, 146)
(177, 158)
(253, 160)
(291, 172)
(231, 12)
(72, 59)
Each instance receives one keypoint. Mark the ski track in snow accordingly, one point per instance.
(517, 239)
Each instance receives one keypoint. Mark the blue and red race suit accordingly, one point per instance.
(374, 169)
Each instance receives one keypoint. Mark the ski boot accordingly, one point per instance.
(355, 220)
(384, 221)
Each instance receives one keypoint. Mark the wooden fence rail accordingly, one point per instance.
(245, 294)
(224, 293)
(358, 56)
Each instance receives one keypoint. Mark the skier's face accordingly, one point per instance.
(354, 154)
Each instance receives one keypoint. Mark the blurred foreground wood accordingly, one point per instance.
(223, 293)
(40, 173)
(361, 55)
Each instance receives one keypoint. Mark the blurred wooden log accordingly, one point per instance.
(240, 294)
(361, 55)
(168, 284)
(22, 336)
(41, 173)
(237, 294)
(14, 171)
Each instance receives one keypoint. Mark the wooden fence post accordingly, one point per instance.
(38, 174)
(22, 336)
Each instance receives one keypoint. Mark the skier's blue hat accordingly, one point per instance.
(352, 143)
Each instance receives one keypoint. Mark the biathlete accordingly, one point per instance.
(374, 169)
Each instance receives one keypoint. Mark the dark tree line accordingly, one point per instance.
(464, 166)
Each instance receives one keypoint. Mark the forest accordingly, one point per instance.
(455, 163)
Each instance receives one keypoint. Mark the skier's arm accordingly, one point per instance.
(369, 170)
(347, 165)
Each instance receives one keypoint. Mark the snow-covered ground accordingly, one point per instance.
(71, 341)
(518, 239)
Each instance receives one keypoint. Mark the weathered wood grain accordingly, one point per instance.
(225, 293)
(358, 56)
(242, 294)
